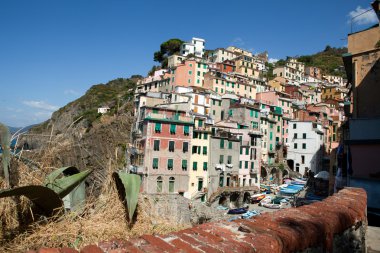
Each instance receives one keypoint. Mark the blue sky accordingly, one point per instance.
(52, 51)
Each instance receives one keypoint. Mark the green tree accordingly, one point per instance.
(167, 49)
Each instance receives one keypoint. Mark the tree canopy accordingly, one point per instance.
(167, 49)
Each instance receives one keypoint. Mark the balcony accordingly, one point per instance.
(137, 133)
(173, 118)
(135, 169)
(254, 171)
(220, 166)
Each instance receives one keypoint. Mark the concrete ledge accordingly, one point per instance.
(336, 224)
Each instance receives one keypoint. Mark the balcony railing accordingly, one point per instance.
(254, 171)
(169, 117)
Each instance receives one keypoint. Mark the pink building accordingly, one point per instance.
(166, 147)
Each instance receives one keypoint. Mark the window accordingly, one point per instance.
(271, 125)
(155, 110)
(200, 136)
(295, 145)
(171, 184)
(295, 136)
(205, 135)
(195, 165)
(184, 165)
(190, 72)
(156, 145)
(171, 146)
(240, 164)
(186, 130)
(246, 164)
(159, 184)
(252, 165)
(205, 166)
(157, 128)
(270, 136)
(278, 129)
(303, 136)
(198, 73)
(194, 149)
(200, 123)
(172, 128)
(222, 143)
(185, 147)
(271, 147)
(221, 159)
(155, 163)
(229, 159)
(255, 125)
(294, 126)
(230, 145)
(241, 150)
(303, 145)
(302, 159)
(247, 151)
(170, 164)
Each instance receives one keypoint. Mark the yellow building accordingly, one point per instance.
(199, 160)
(334, 92)
(278, 84)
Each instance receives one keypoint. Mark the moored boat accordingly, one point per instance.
(238, 210)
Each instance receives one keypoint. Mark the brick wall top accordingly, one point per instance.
(287, 230)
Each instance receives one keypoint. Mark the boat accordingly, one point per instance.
(238, 210)
(271, 206)
(267, 199)
(250, 214)
(257, 198)
(289, 191)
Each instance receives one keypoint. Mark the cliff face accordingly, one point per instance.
(77, 135)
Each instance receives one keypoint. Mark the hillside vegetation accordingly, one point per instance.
(329, 61)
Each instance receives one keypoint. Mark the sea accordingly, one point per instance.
(13, 144)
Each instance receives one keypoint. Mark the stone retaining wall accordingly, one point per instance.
(337, 224)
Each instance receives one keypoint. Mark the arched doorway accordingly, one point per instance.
(200, 184)
(264, 173)
(290, 164)
(297, 167)
(159, 184)
(222, 200)
(247, 197)
(171, 184)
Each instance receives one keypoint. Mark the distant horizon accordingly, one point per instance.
(53, 52)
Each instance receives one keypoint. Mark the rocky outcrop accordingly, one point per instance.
(77, 135)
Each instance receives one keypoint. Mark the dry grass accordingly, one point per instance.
(100, 220)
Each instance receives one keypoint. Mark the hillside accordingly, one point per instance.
(77, 135)
(329, 61)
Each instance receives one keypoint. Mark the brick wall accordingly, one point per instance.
(336, 224)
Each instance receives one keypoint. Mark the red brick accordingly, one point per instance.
(117, 251)
(68, 250)
(48, 250)
(91, 249)
(159, 243)
(183, 246)
(193, 240)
